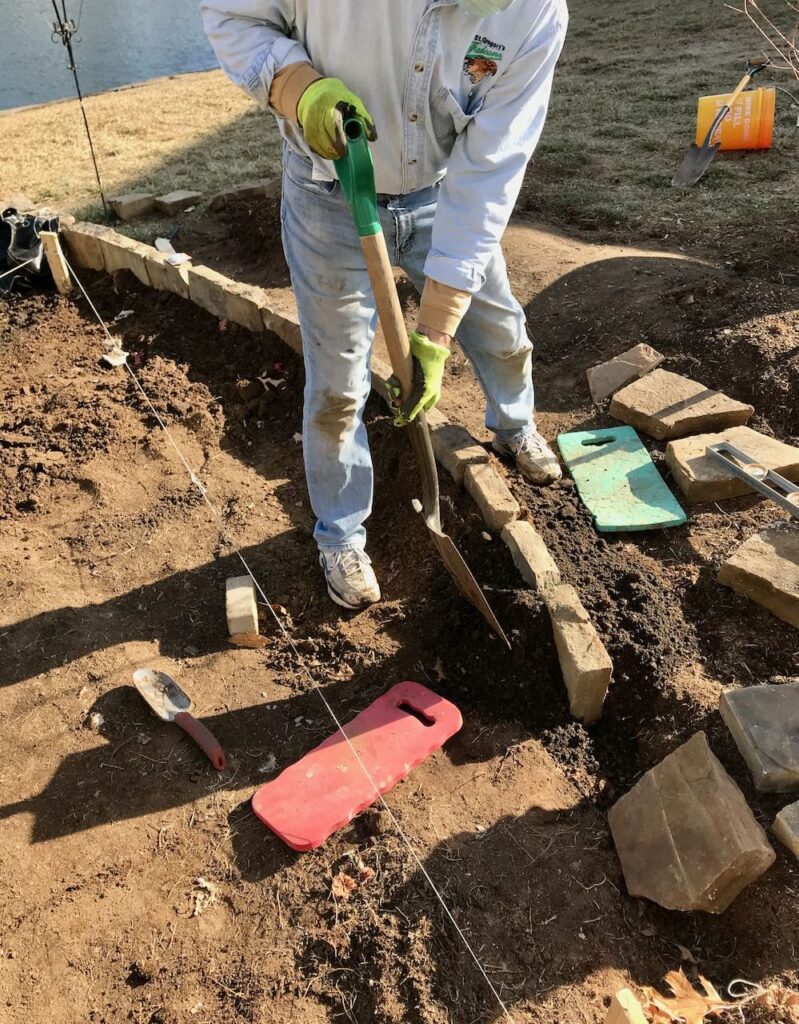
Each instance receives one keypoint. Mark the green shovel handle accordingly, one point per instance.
(357, 176)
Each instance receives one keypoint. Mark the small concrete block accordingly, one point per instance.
(241, 607)
(132, 205)
(666, 405)
(493, 497)
(764, 722)
(166, 277)
(765, 569)
(260, 189)
(176, 202)
(786, 827)
(685, 836)
(584, 662)
(280, 316)
(702, 479)
(608, 377)
(455, 449)
(82, 242)
(244, 304)
(530, 555)
(625, 1009)
(123, 253)
(208, 288)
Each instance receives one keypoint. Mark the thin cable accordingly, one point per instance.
(15, 269)
(66, 31)
(301, 661)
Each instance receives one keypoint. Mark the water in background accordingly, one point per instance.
(118, 42)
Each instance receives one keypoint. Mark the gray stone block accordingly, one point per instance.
(608, 377)
(492, 495)
(530, 555)
(764, 722)
(786, 827)
(455, 449)
(176, 202)
(132, 205)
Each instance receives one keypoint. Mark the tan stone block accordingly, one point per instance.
(166, 277)
(176, 202)
(766, 570)
(530, 555)
(584, 661)
(492, 495)
(280, 316)
(667, 405)
(258, 189)
(207, 288)
(244, 304)
(625, 1009)
(608, 377)
(123, 253)
(786, 827)
(132, 205)
(455, 449)
(83, 245)
(701, 478)
(685, 836)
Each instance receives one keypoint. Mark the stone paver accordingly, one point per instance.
(608, 377)
(666, 405)
(584, 661)
(456, 449)
(132, 205)
(764, 722)
(530, 555)
(177, 201)
(700, 478)
(123, 253)
(260, 188)
(280, 317)
(244, 304)
(685, 836)
(82, 242)
(166, 277)
(208, 288)
(766, 570)
(241, 607)
(786, 827)
(494, 499)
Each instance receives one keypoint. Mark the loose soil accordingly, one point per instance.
(138, 884)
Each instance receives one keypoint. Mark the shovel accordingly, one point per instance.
(173, 704)
(699, 158)
(356, 173)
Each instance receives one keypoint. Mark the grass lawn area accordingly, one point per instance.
(622, 116)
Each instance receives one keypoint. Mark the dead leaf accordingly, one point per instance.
(687, 1004)
(343, 886)
(686, 954)
(366, 875)
(775, 997)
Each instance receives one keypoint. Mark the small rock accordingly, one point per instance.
(786, 827)
(685, 836)
(95, 722)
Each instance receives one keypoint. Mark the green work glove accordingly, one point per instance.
(321, 112)
(428, 374)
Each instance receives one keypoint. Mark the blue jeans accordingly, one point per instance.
(338, 319)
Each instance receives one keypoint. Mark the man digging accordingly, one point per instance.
(453, 94)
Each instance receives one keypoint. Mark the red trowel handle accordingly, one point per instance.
(203, 737)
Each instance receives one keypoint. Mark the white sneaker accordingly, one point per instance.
(535, 459)
(351, 581)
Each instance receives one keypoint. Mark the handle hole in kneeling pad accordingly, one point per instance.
(420, 716)
(598, 442)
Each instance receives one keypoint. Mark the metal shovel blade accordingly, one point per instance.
(695, 163)
(162, 693)
(451, 557)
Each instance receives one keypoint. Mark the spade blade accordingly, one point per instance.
(696, 162)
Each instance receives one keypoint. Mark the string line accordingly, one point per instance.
(301, 662)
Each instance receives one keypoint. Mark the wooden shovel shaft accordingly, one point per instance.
(388, 309)
(739, 88)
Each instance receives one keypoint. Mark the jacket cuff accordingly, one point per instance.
(442, 307)
(456, 273)
(288, 85)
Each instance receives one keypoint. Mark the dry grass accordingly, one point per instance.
(194, 131)
(622, 116)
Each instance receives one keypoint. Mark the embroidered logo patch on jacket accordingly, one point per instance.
(482, 59)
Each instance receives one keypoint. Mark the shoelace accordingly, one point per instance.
(533, 444)
(350, 562)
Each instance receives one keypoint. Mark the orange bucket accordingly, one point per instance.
(749, 125)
